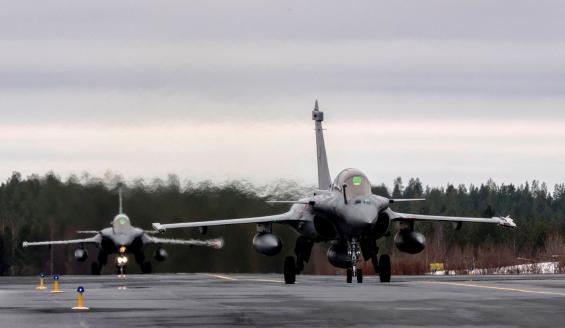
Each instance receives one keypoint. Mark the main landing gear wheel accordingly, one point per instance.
(146, 268)
(289, 270)
(384, 268)
(359, 276)
(95, 269)
(349, 276)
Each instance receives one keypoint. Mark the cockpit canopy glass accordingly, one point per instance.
(121, 223)
(355, 181)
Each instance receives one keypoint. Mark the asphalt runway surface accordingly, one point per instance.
(259, 300)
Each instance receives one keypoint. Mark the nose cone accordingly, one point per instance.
(359, 216)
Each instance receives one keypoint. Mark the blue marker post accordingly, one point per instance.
(41, 282)
(80, 300)
(56, 284)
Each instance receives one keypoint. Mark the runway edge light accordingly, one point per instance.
(41, 282)
(56, 284)
(80, 300)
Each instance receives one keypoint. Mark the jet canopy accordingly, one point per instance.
(355, 182)
(121, 223)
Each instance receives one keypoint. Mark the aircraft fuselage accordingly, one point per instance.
(132, 240)
(336, 214)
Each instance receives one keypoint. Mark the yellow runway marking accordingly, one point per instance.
(528, 291)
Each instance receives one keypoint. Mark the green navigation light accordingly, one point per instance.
(357, 180)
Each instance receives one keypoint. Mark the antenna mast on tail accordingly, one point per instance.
(120, 195)
(324, 180)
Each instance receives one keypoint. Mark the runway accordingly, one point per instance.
(258, 300)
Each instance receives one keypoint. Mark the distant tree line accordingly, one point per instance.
(46, 207)
(539, 214)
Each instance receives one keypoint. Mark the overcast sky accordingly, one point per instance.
(448, 91)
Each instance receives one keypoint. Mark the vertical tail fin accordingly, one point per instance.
(324, 180)
(120, 196)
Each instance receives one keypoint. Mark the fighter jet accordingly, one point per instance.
(122, 239)
(345, 213)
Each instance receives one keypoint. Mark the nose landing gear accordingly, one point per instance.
(354, 252)
(382, 266)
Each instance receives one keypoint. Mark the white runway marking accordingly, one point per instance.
(221, 277)
(529, 291)
(266, 280)
(418, 309)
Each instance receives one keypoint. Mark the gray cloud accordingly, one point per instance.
(131, 80)
(311, 20)
(90, 68)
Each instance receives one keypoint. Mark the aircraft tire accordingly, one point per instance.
(384, 268)
(95, 269)
(289, 270)
(359, 276)
(146, 268)
(349, 274)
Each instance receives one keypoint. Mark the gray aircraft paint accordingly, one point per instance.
(342, 211)
(121, 233)
(324, 180)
